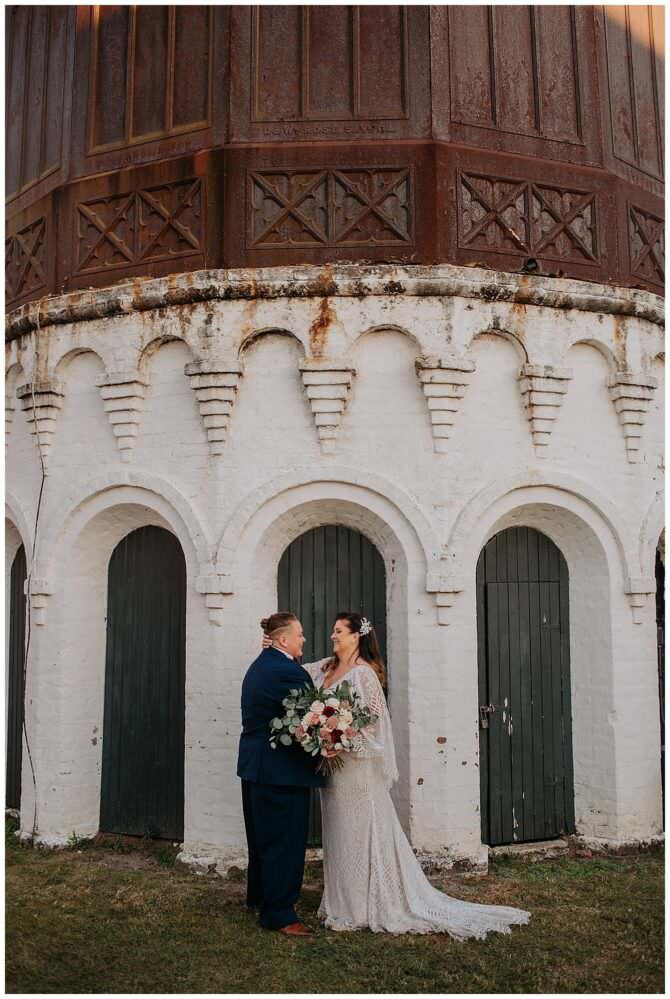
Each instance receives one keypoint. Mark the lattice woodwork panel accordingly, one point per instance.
(504, 215)
(646, 245)
(150, 224)
(307, 208)
(26, 260)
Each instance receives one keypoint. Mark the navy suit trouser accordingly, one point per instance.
(276, 819)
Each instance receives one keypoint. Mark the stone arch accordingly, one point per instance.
(390, 328)
(551, 487)
(60, 368)
(16, 517)
(252, 338)
(131, 487)
(504, 334)
(62, 350)
(76, 555)
(650, 532)
(599, 558)
(601, 347)
(14, 376)
(274, 516)
(375, 485)
(154, 344)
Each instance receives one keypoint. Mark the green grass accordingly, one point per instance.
(118, 916)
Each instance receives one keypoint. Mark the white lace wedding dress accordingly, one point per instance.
(371, 875)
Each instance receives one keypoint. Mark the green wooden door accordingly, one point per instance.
(324, 571)
(17, 642)
(142, 787)
(525, 726)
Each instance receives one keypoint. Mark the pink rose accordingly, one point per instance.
(350, 732)
(332, 722)
(299, 733)
(324, 733)
(310, 719)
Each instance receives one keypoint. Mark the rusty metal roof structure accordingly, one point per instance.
(144, 141)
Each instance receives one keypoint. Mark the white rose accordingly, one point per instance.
(317, 707)
(345, 718)
(332, 702)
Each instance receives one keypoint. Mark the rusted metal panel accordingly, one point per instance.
(321, 204)
(503, 211)
(147, 221)
(147, 78)
(309, 73)
(37, 46)
(633, 88)
(517, 78)
(447, 134)
(30, 270)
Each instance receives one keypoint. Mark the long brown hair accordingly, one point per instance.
(368, 646)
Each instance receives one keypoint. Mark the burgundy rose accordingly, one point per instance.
(328, 711)
(336, 735)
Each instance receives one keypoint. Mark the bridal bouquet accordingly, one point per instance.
(324, 722)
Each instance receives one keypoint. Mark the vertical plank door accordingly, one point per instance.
(526, 773)
(142, 788)
(17, 642)
(325, 571)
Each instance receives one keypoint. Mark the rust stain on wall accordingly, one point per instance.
(318, 331)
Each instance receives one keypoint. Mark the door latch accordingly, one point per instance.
(484, 711)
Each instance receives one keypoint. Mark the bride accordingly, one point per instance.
(371, 876)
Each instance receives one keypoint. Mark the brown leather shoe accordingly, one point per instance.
(297, 930)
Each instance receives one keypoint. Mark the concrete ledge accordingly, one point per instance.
(334, 280)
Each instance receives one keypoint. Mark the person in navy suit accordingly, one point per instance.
(275, 782)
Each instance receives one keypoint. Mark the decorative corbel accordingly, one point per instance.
(444, 381)
(632, 392)
(214, 587)
(9, 416)
(327, 383)
(543, 389)
(215, 384)
(445, 587)
(638, 588)
(42, 402)
(123, 397)
(40, 591)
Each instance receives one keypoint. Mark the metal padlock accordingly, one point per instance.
(484, 711)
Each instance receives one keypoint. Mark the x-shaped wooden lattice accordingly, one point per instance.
(28, 242)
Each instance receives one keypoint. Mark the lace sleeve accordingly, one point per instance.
(377, 738)
(315, 670)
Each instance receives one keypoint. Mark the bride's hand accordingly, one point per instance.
(267, 641)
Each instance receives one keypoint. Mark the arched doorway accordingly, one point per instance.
(16, 683)
(142, 787)
(525, 727)
(326, 570)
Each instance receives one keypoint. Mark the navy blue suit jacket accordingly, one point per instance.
(266, 683)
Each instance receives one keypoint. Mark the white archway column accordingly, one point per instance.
(66, 669)
(434, 803)
(615, 727)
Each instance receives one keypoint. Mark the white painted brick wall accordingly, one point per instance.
(428, 512)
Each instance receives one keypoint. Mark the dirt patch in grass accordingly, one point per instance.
(122, 918)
